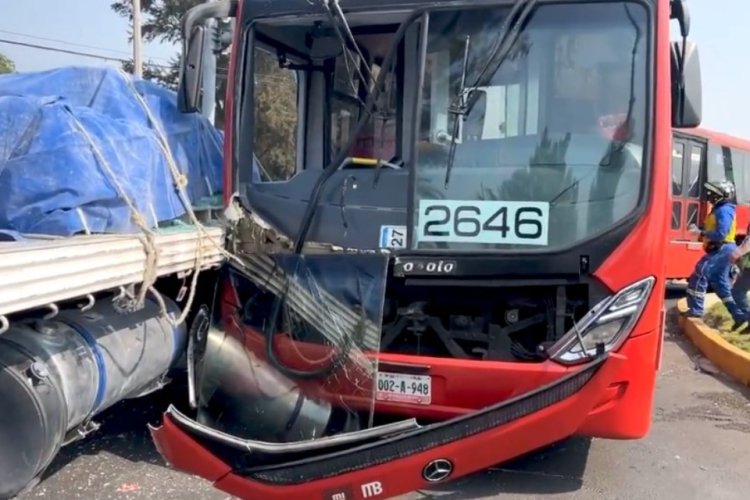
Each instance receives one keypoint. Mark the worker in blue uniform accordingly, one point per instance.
(716, 266)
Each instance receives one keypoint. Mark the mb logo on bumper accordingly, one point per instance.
(437, 470)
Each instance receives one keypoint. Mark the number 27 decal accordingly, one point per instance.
(498, 222)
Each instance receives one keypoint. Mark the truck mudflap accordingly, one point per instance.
(399, 459)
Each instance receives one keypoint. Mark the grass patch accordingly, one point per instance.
(719, 318)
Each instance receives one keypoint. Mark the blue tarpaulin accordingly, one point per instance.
(73, 139)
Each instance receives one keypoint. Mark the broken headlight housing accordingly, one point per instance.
(606, 326)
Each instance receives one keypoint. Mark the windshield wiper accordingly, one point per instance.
(457, 110)
(509, 32)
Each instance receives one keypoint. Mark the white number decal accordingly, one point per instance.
(493, 222)
(392, 236)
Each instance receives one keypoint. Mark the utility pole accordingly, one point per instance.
(137, 41)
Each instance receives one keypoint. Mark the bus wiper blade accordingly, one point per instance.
(508, 35)
(457, 110)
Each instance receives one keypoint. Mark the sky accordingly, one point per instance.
(91, 26)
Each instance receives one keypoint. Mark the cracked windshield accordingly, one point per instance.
(551, 152)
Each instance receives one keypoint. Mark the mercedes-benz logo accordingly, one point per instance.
(437, 470)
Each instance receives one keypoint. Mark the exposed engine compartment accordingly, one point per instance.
(458, 319)
(491, 323)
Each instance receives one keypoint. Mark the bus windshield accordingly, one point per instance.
(551, 152)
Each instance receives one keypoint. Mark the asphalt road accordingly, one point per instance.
(699, 447)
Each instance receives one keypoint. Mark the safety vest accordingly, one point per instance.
(710, 225)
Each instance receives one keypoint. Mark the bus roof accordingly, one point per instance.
(717, 137)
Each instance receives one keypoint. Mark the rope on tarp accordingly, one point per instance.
(149, 241)
(180, 182)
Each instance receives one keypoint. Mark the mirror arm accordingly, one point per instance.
(202, 12)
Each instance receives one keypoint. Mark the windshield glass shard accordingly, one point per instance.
(296, 357)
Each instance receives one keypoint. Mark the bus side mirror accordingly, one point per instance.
(680, 11)
(194, 40)
(191, 72)
(687, 92)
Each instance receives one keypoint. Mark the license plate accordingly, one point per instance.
(402, 388)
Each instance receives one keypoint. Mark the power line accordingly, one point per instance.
(223, 72)
(76, 52)
(72, 44)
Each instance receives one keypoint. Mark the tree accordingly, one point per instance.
(162, 17)
(6, 65)
(276, 116)
(167, 76)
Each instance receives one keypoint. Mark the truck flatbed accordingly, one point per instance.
(39, 271)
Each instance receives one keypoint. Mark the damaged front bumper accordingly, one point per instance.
(388, 460)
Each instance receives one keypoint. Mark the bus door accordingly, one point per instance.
(688, 159)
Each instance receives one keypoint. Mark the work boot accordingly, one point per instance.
(737, 314)
(736, 327)
(739, 317)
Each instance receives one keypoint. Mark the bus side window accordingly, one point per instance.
(276, 119)
(678, 152)
(740, 164)
(719, 162)
(694, 171)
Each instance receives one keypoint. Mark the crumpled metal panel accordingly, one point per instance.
(297, 353)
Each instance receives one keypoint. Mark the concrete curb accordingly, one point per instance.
(730, 359)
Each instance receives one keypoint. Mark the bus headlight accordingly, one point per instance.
(605, 326)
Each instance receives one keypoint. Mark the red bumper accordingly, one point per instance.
(623, 409)
(585, 401)
(462, 386)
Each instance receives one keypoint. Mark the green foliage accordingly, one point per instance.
(161, 20)
(164, 75)
(719, 318)
(6, 65)
(276, 116)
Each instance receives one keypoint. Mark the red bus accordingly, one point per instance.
(699, 155)
(491, 271)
